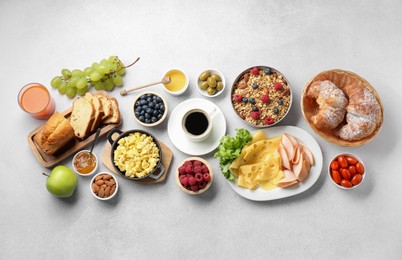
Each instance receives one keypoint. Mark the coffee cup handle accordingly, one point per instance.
(213, 112)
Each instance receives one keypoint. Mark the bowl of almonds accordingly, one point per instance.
(104, 186)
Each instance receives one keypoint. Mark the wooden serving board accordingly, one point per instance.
(167, 157)
(50, 161)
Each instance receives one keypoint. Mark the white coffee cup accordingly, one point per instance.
(197, 124)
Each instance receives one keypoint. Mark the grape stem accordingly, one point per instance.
(125, 67)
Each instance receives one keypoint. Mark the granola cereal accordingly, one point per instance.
(261, 96)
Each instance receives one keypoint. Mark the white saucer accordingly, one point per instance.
(176, 133)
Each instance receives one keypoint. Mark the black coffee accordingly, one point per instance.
(196, 123)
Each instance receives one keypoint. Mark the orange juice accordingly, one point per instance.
(35, 99)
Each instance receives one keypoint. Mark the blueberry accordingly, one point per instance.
(143, 102)
(148, 110)
(157, 106)
(149, 99)
(137, 114)
(158, 99)
(244, 100)
(160, 111)
(142, 112)
(252, 101)
(153, 119)
(155, 112)
(147, 121)
(162, 107)
(147, 116)
(138, 109)
(159, 116)
(137, 103)
(142, 118)
(151, 104)
(280, 102)
(143, 97)
(267, 71)
(276, 110)
(255, 86)
(144, 107)
(255, 108)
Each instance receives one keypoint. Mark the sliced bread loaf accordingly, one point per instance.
(115, 117)
(82, 117)
(106, 105)
(98, 110)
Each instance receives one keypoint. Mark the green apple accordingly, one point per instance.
(61, 182)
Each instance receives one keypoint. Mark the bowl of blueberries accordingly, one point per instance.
(150, 109)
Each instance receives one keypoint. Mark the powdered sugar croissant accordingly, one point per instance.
(332, 103)
(363, 113)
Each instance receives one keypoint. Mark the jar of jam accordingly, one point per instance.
(85, 163)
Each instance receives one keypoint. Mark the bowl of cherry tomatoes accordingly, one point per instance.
(347, 171)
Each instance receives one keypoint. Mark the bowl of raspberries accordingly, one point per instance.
(194, 175)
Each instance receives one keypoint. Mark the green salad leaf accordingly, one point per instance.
(230, 148)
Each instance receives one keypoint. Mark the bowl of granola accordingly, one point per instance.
(261, 96)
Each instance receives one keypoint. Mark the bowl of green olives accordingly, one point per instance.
(211, 83)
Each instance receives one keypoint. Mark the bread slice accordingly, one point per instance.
(82, 117)
(106, 105)
(56, 133)
(115, 118)
(98, 109)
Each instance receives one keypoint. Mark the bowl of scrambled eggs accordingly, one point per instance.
(136, 154)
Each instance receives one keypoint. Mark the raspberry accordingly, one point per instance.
(238, 98)
(202, 185)
(278, 86)
(192, 181)
(207, 177)
(197, 169)
(255, 115)
(255, 71)
(265, 99)
(269, 120)
(184, 181)
(199, 177)
(187, 163)
(182, 169)
(189, 169)
(204, 169)
(182, 176)
(197, 163)
(194, 187)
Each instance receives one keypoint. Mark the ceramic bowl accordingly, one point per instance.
(211, 72)
(340, 78)
(137, 102)
(99, 185)
(338, 180)
(85, 174)
(257, 100)
(178, 78)
(199, 191)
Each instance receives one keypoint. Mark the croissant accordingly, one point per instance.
(363, 113)
(332, 103)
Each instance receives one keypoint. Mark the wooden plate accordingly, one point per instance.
(340, 78)
(49, 161)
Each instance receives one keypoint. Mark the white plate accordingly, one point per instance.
(176, 133)
(279, 193)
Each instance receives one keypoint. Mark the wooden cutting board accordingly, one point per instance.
(50, 161)
(167, 157)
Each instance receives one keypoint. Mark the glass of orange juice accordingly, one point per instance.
(34, 98)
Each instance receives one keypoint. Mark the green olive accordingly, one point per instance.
(204, 85)
(211, 91)
(216, 77)
(211, 82)
(219, 86)
(204, 76)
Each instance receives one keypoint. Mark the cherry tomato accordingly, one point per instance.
(342, 161)
(351, 160)
(360, 168)
(345, 174)
(352, 170)
(356, 179)
(336, 176)
(334, 165)
(346, 184)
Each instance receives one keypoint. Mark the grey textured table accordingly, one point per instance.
(299, 38)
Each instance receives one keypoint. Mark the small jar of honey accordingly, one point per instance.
(85, 163)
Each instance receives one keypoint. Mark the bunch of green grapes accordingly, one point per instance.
(105, 75)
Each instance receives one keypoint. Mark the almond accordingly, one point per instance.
(104, 186)
(101, 192)
(112, 181)
(107, 177)
(112, 190)
(98, 177)
(108, 183)
(99, 182)
(107, 191)
(95, 187)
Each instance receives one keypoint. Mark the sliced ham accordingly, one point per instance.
(309, 154)
(289, 148)
(297, 154)
(284, 157)
(291, 138)
(289, 180)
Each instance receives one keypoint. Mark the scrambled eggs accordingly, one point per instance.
(137, 155)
